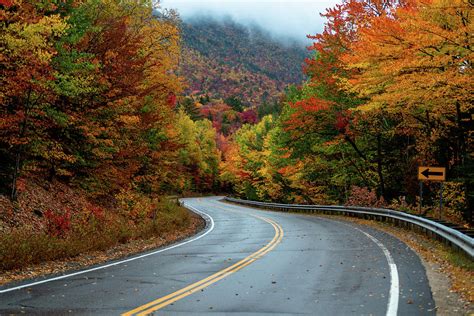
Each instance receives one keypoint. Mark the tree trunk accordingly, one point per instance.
(354, 146)
(461, 141)
(21, 134)
(379, 166)
(16, 171)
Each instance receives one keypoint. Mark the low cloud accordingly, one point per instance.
(284, 19)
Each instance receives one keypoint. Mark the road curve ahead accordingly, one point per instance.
(246, 262)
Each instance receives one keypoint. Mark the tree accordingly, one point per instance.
(416, 63)
(88, 91)
(198, 154)
(235, 103)
(27, 39)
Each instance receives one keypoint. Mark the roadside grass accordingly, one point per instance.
(23, 246)
(460, 260)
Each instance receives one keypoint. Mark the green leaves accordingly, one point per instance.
(85, 89)
(198, 153)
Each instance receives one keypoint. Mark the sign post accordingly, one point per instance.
(441, 200)
(432, 174)
(421, 196)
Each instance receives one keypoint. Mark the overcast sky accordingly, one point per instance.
(283, 18)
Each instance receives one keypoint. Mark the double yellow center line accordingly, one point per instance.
(190, 289)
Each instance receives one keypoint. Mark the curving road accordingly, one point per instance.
(245, 262)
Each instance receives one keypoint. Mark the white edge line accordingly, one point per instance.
(122, 261)
(392, 305)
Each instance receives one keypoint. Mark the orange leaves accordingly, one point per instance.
(309, 113)
(89, 93)
(287, 154)
(397, 52)
(130, 120)
(390, 85)
(290, 170)
(346, 24)
(21, 185)
(312, 104)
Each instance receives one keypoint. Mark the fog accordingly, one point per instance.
(284, 19)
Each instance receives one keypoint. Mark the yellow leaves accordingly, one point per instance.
(231, 165)
(32, 40)
(161, 44)
(199, 148)
(369, 107)
(133, 205)
(129, 119)
(55, 152)
(414, 60)
(75, 85)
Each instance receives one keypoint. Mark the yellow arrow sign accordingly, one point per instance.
(432, 173)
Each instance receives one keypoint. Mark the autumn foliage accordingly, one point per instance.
(88, 94)
(390, 89)
(95, 97)
(89, 90)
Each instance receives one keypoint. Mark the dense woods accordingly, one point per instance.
(110, 105)
(88, 97)
(89, 118)
(390, 89)
(225, 59)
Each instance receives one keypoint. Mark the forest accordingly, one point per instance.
(389, 89)
(108, 107)
(226, 59)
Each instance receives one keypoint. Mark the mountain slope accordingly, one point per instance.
(225, 59)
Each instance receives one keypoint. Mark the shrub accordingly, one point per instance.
(361, 196)
(135, 206)
(92, 229)
(58, 224)
(454, 200)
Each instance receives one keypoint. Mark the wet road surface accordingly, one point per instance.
(246, 262)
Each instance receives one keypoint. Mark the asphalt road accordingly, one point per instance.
(246, 262)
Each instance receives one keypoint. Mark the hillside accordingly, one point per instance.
(225, 59)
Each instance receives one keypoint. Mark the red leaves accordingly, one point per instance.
(243, 175)
(306, 109)
(96, 212)
(171, 99)
(58, 224)
(342, 121)
(249, 116)
(21, 185)
(361, 196)
(6, 3)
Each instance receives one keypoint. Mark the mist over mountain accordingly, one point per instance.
(281, 18)
(224, 59)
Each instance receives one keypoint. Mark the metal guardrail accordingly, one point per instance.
(449, 235)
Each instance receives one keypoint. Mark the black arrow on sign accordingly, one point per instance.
(427, 173)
